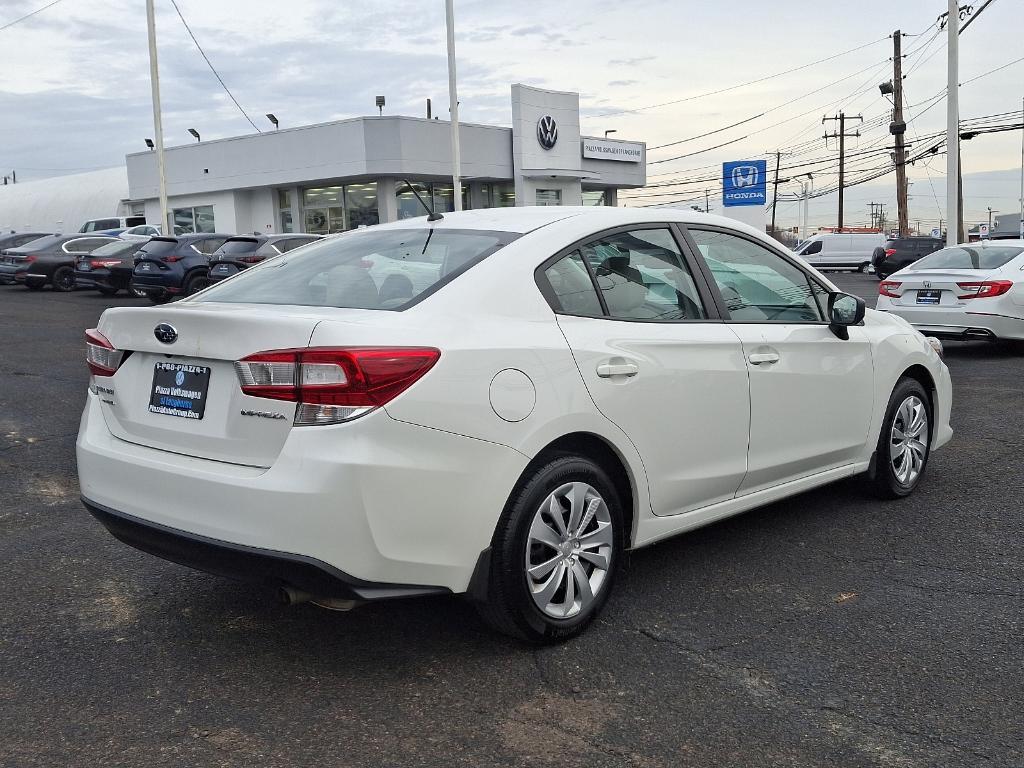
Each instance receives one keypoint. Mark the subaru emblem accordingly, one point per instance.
(165, 333)
(547, 132)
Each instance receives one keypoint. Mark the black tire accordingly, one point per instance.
(159, 298)
(35, 285)
(107, 290)
(63, 279)
(886, 484)
(510, 607)
(195, 283)
(863, 267)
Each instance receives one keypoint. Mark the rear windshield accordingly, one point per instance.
(365, 269)
(115, 249)
(158, 247)
(239, 246)
(966, 257)
(44, 243)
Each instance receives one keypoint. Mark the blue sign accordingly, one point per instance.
(744, 183)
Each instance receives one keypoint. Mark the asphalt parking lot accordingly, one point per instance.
(827, 630)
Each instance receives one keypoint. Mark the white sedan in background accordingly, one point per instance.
(970, 291)
(571, 383)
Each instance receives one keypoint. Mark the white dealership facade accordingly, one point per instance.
(340, 175)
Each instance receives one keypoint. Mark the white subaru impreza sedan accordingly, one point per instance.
(572, 383)
(969, 291)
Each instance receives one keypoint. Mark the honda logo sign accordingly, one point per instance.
(743, 183)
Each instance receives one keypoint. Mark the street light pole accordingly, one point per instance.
(953, 124)
(453, 99)
(154, 80)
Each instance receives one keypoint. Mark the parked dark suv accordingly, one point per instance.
(166, 267)
(49, 260)
(243, 251)
(901, 252)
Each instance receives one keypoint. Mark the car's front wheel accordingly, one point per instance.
(904, 444)
(555, 552)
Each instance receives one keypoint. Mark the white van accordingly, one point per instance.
(840, 250)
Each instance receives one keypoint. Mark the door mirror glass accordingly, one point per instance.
(845, 310)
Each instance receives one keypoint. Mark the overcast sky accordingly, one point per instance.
(74, 79)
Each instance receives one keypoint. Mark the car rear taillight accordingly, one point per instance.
(100, 355)
(984, 290)
(890, 252)
(332, 385)
(887, 288)
(103, 264)
(170, 259)
(29, 259)
(251, 259)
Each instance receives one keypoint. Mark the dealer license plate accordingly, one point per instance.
(179, 389)
(928, 297)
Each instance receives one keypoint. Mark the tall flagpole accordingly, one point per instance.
(166, 226)
(453, 99)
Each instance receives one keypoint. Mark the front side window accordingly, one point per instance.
(757, 284)
(366, 269)
(641, 275)
(811, 248)
(967, 257)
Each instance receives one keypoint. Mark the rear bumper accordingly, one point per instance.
(960, 325)
(8, 273)
(378, 500)
(251, 564)
(93, 279)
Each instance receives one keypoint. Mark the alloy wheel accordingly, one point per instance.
(569, 550)
(908, 441)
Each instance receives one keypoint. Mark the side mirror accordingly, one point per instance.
(844, 310)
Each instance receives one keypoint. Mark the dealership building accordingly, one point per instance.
(340, 175)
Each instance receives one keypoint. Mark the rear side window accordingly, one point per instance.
(365, 269)
(965, 257)
(572, 291)
(209, 245)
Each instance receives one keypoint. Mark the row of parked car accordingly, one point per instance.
(144, 263)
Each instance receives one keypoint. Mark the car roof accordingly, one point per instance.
(526, 219)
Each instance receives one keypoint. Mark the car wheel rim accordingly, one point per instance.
(66, 281)
(569, 550)
(908, 442)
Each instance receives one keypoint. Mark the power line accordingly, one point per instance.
(993, 71)
(742, 85)
(212, 68)
(29, 15)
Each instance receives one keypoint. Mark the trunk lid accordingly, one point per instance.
(234, 427)
(936, 287)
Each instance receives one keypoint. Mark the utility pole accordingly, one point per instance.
(898, 129)
(166, 225)
(775, 192)
(953, 123)
(453, 99)
(707, 201)
(841, 135)
(1022, 180)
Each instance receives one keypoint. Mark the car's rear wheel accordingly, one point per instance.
(555, 552)
(195, 283)
(904, 444)
(64, 279)
(863, 266)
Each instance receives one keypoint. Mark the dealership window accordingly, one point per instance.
(498, 195)
(594, 197)
(340, 208)
(193, 220)
(549, 197)
(441, 196)
(284, 206)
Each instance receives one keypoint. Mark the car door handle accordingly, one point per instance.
(759, 358)
(607, 370)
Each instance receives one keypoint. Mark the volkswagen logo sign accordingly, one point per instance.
(547, 132)
(165, 333)
(179, 378)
